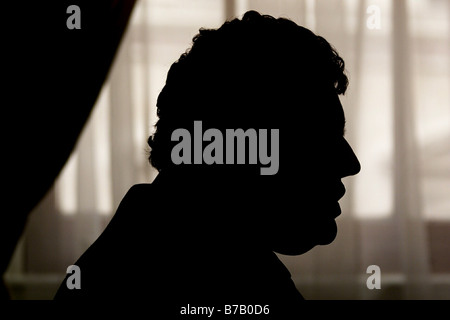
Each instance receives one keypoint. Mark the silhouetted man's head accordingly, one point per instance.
(264, 73)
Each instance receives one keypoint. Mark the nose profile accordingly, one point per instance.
(349, 165)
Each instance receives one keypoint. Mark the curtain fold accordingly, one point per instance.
(408, 207)
(53, 76)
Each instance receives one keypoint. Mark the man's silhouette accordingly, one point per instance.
(205, 234)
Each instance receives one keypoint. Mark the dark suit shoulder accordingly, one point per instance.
(114, 250)
(140, 188)
(137, 200)
(138, 192)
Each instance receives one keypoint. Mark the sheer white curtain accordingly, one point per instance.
(396, 213)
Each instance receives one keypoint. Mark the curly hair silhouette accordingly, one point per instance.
(235, 76)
